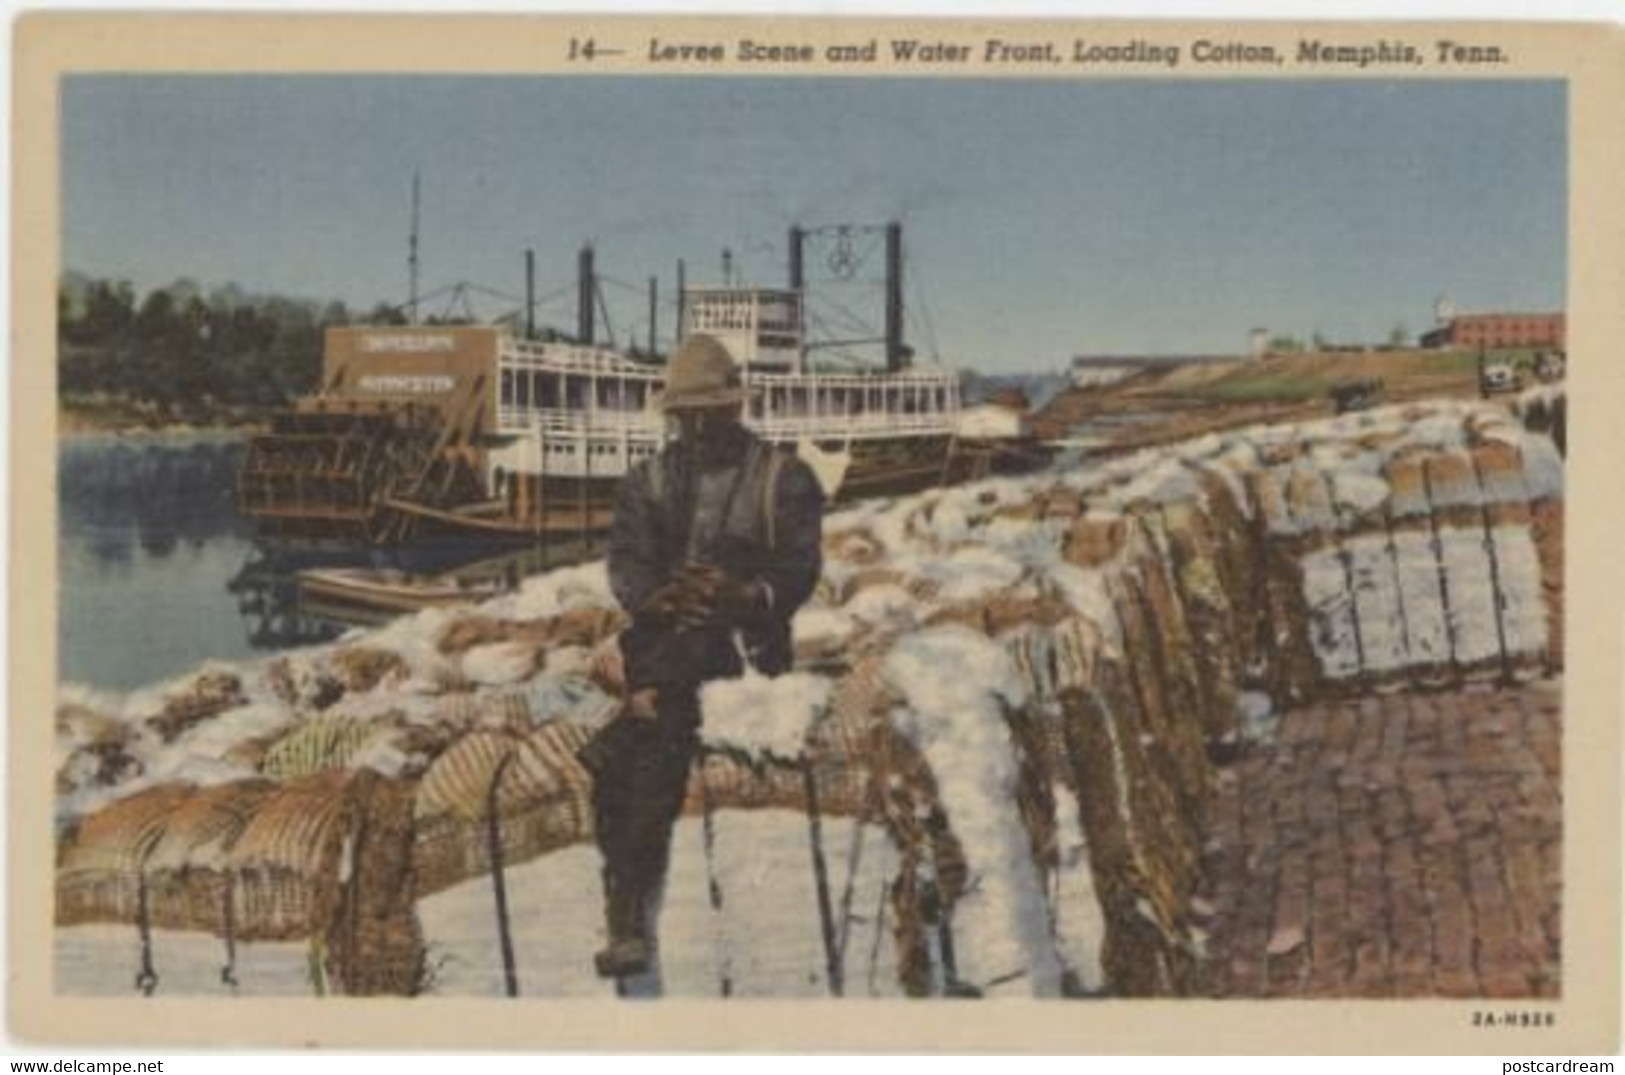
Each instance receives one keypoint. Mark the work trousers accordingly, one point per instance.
(638, 792)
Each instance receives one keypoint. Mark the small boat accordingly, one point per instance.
(389, 592)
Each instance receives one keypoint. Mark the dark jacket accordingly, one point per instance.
(770, 532)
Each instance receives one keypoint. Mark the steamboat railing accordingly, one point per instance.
(611, 424)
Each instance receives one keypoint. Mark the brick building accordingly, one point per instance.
(1470, 332)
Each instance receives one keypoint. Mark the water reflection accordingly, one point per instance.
(158, 574)
(147, 537)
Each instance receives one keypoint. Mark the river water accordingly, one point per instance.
(147, 542)
(158, 574)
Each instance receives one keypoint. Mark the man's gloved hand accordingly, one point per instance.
(706, 596)
(667, 603)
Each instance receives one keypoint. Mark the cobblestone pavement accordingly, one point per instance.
(1398, 845)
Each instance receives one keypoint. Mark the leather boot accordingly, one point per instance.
(628, 952)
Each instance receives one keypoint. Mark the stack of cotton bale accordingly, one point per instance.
(1417, 544)
(1021, 681)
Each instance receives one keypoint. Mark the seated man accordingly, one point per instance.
(714, 545)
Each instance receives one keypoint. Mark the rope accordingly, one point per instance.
(1345, 558)
(146, 979)
(228, 973)
(880, 931)
(854, 857)
(826, 916)
(1399, 584)
(1444, 580)
(1507, 676)
(499, 887)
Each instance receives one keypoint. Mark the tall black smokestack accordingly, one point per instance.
(797, 278)
(530, 294)
(896, 352)
(682, 301)
(654, 311)
(586, 289)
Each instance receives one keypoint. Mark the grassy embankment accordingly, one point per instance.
(1190, 400)
(1308, 377)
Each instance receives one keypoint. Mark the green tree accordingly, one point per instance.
(109, 312)
(385, 314)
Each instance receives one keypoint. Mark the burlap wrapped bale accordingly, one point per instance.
(100, 753)
(1062, 503)
(327, 741)
(478, 629)
(101, 858)
(887, 776)
(189, 879)
(543, 801)
(90, 727)
(867, 577)
(1238, 545)
(207, 695)
(855, 546)
(1323, 571)
(1515, 565)
(373, 942)
(287, 860)
(1420, 577)
(1142, 847)
(1470, 587)
(1212, 631)
(360, 668)
(1292, 673)
(302, 684)
(1177, 754)
(1547, 527)
(1177, 663)
(1095, 539)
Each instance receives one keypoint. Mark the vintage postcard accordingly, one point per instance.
(931, 534)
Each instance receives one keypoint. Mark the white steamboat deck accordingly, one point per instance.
(573, 411)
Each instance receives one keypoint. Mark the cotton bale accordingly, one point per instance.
(361, 668)
(190, 881)
(100, 862)
(1212, 630)
(287, 858)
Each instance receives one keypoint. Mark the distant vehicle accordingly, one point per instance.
(1361, 393)
(1497, 378)
(1550, 366)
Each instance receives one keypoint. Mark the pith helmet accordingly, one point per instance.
(701, 374)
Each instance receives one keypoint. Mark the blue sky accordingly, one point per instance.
(1042, 219)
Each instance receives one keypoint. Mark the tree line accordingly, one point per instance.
(187, 354)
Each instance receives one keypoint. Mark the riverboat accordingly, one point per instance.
(475, 429)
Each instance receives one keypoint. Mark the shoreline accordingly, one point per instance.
(79, 422)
